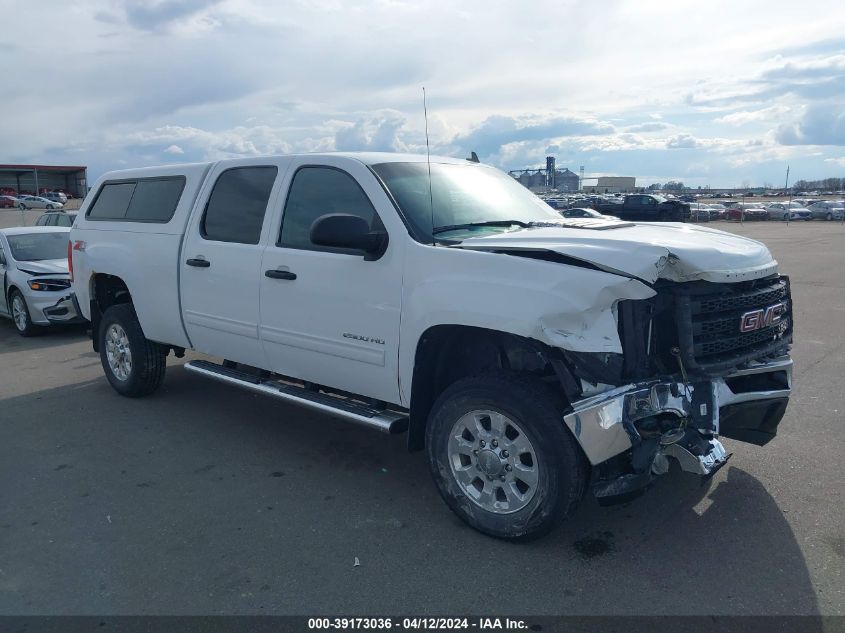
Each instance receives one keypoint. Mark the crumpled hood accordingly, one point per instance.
(47, 266)
(647, 251)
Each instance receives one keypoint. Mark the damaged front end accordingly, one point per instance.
(700, 360)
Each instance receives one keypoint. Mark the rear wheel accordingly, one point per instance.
(133, 365)
(20, 314)
(501, 456)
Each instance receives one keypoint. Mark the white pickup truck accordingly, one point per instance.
(533, 358)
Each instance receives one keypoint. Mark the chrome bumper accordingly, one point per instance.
(604, 424)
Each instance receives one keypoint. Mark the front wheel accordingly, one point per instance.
(133, 365)
(501, 456)
(20, 314)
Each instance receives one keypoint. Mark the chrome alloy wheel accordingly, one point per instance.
(493, 461)
(117, 352)
(19, 313)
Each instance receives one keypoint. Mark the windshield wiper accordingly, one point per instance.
(468, 225)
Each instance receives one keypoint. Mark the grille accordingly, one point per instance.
(709, 317)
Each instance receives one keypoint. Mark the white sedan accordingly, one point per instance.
(788, 211)
(581, 212)
(828, 209)
(34, 275)
(37, 202)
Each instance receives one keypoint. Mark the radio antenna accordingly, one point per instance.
(428, 160)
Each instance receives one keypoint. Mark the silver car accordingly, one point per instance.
(788, 211)
(56, 196)
(35, 279)
(828, 209)
(37, 202)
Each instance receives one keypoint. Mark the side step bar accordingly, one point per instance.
(386, 420)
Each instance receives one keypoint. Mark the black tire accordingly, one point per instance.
(148, 360)
(29, 329)
(562, 467)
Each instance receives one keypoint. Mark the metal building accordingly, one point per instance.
(541, 180)
(612, 184)
(38, 179)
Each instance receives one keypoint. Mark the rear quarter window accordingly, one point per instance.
(138, 200)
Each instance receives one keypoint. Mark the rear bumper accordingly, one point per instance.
(746, 405)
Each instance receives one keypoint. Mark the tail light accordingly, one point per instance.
(78, 245)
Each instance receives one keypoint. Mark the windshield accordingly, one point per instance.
(460, 195)
(33, 247)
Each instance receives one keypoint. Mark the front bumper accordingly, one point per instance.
(65, 311)
(747, 405)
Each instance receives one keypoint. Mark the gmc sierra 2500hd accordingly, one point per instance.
(532, 358)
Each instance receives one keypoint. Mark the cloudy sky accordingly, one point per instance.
(718, 93)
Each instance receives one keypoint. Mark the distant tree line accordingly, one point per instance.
(669, 186)
(827, 184)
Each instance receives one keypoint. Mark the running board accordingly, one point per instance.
(384, 420)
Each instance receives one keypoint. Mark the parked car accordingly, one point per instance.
(56, 218)
(828, 209)
(788, 211)
(34, 272)
(717, 211)
(747, 211)
(521, 358)
(699, 212)
(8, 202)
(56, 196)
(646, 207)
(37, 202)
(580, 212)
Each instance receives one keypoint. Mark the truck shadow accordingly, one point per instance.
(214, 464)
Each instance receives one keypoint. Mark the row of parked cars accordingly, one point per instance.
(797, 209)
(50, 200)
(794, 210)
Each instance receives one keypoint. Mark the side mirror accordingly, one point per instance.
(342, 230)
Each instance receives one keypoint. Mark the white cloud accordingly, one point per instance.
(217, 78)
(743, 117)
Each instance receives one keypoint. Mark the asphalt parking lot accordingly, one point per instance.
(203, 499)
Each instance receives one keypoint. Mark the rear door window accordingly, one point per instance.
(235, 210)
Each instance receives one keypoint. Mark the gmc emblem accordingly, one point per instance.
(762, 318)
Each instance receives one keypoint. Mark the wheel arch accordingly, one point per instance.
(448, 353)
(105, 291)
